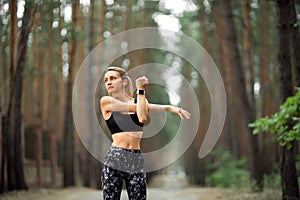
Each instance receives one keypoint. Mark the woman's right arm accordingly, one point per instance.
(110, 104)
(182, 113)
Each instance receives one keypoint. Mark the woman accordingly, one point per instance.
(125, 117)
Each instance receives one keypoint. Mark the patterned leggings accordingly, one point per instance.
(124, 164)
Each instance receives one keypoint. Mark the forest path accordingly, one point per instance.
(163, 187)
(80, 193)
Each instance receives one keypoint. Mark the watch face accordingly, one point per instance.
(140, 92)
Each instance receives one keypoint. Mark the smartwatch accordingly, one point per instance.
(140, 92)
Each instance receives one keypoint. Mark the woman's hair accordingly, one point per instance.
(123, 75)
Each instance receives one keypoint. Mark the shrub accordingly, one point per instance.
(227, 171)
(285, 124)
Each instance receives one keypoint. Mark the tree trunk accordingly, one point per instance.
(2, 155)
(242, 109)
(247, 53)
(101, 38)
(228, 136)
(13, 119)
(58, 94)
(8, 127)
(265, 61)
(50, 82)
(295, 44)
(60, 89)
(257, 172)
(69, 178)
(47, 113)
(27, 22)
(199, 166)
(3, 100)
(267, 146)
(101, 20)
(289, 182)
(88, 163)
(235, 80)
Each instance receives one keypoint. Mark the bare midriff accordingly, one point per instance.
(127, 140)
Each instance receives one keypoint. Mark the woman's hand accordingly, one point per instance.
(141, 83)
(182, 113)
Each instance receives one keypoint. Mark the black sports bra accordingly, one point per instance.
(119, 122)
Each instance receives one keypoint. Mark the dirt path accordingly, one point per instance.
(162, 187)
(79, 193)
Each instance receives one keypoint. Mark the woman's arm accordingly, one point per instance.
(142, 109)
(161, 108)
(110, 104)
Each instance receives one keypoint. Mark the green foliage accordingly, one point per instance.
(273, 179)
(285, 123)
(228, 171)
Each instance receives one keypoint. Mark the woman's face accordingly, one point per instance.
(113, 82)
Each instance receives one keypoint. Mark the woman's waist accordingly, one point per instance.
(131, 150)
(127, 140)
(123, 159)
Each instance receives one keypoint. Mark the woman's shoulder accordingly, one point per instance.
(104, 102)
(105, 99)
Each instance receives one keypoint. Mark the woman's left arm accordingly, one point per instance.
(182, 113)
(141, 105)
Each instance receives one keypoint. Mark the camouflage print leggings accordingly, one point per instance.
(124, 164)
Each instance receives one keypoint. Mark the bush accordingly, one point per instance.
(285, 124)
(227, 171)
(273, 180)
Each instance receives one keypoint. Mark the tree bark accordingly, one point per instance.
(27, 22)
(47, 114)
(101, 20)
(3, 156)
(295, 44)
(267, 146)
(228, 136)
(88, 163)
(236, 79)
(3, 100)
(198, 168)
(68, 169)
(257, 172)
(247, 53)
(13, 119)
(242, 109)
(289, 182)
(8, 127)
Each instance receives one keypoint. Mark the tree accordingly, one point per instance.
(289, 183)
(295, 44)
(265, 80)
(68, 167)
(247, 52)
(8, 130)
(13, 118)
(285, 124)
(243, 112)
(88, 172)
(228, 136)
